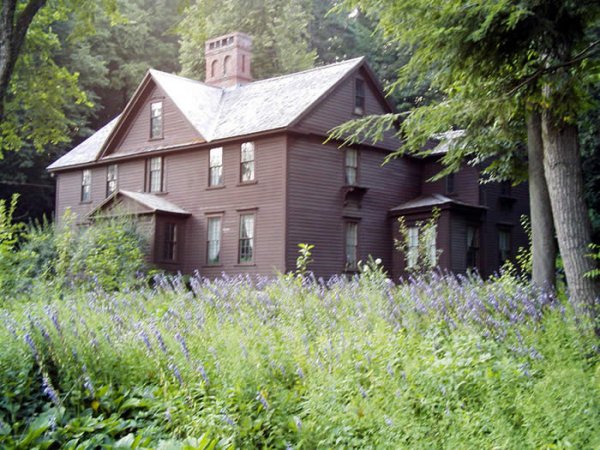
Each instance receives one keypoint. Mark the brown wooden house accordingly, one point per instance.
(230, 175)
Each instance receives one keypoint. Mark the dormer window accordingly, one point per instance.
(359, 96)
(156, 122)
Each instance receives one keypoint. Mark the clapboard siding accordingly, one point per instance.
(498, 217)
(466, 183)
(186, 185)
(316, 212)
(136, 136)
(337, 108)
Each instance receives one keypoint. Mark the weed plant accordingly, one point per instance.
(438, 361)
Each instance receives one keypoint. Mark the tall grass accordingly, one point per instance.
(294, 362)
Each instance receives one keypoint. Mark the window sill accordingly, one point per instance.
(215, 188)
(212, 266)
(244, 265)
(87, 202)
(162, 138)
(247, 183)
(157, 192)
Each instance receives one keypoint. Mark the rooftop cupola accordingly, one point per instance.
(228, 60)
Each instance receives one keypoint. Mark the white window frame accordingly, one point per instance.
(351, 166)
(156, 120)
(247, 236)
(247, 155)
(213, 240)
(351, 245)
(155, 166)
(86, 186)
(112, 178)
(215, 166)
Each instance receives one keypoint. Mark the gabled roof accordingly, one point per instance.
(152, 203)
(429, 201)
(220, 113)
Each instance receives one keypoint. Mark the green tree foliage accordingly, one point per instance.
(34, 89)
(337, 34)
(279, 30)
(491, 61)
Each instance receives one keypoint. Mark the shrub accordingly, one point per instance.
(437, 362)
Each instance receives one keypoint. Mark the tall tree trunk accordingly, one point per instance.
(562, 167)
(542, 227)
(13, 28)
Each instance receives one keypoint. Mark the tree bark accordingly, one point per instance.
(13, 28)
(543, 243)
(562, 167)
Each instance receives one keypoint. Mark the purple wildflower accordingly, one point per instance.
(176, 372)
(181, 341)
(227, 419)
(49, 390)
(261, 398)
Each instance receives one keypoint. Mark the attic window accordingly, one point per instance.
(359, 96)
(156, 125)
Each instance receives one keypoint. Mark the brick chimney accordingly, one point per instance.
(228, 60)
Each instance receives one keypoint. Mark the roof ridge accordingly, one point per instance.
(184, 78)
(312, 69)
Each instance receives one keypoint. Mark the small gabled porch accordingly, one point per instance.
(160, 221)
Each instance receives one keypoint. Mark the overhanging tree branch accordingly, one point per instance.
(585, 53)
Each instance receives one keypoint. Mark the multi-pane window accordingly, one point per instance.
(170, 243)
(156, 120)
(351, 245)
(213, 244)
(111, 179)
(215, 175)
(412, 255)
(351, 166)
(247, 158)
(430, 236)
(472, 246)
(246, 238)
(86, 186)
(503, 245)
(155, 177)
(359, 96)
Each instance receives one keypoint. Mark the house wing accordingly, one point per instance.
(339, 106)
(188, 111)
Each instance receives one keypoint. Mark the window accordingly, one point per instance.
(351, 245)
(213, 244)
(351, 166)
(247, 158)
(503, 245)
(170, 244)
(359, 96)
(155, 183)
(430, 236)
(86, 186)
(213, 67)
(246, 238)
(450, 184)
(412, 248)
(215, 176)
(156, 126)
(111, 179)
(472, 246)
